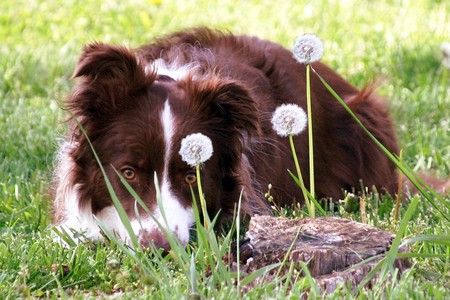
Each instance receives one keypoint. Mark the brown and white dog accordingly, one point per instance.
(137, 105)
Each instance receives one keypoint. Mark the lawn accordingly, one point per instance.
(396, 43)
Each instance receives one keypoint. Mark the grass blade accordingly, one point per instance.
(260, 272)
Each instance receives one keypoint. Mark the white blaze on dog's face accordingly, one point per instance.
(136, 119)
(172, 214)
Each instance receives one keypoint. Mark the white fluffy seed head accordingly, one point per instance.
(308, 48)
(289, 119)
(195, 149)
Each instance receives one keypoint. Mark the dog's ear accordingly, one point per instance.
(109, 75)
(226, 103)
(237, 107)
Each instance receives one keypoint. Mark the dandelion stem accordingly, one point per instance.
(310, 132)
(310, 208)
(202, 197)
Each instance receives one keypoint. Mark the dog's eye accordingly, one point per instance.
(190, 178)
(128, 173)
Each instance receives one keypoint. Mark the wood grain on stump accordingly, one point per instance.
(330, 246)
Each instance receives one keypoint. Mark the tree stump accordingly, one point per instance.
(330, 246)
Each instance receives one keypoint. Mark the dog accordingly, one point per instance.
(132, 108)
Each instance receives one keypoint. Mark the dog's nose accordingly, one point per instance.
(155, 238)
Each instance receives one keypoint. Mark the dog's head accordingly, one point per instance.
(136, 119)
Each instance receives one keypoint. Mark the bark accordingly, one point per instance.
(333, 248)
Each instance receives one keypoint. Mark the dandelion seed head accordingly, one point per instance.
(195, 149)
(289, 119)
(308, 48)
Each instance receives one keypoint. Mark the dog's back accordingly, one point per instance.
(345, 157)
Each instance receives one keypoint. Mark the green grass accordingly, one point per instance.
(396, 42)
